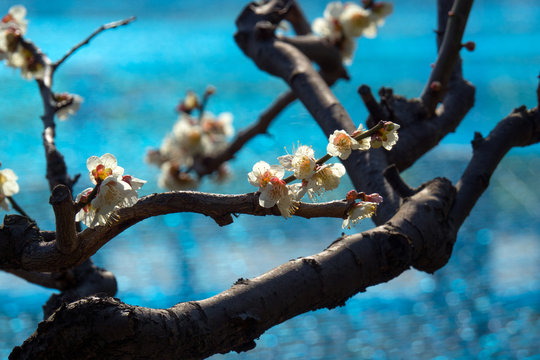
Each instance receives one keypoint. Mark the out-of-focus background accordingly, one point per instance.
(484, 304)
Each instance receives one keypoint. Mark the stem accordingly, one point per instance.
(108, 26)
(17, 207)
(82, 203)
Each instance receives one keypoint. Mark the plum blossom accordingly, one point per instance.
(101, 167)
(359, 211)
(342, 22)
(302, 163)
(326, 177)
(273, 190)
(386, 137)
(113, 191)
(8, 186)
(173, 179)
(218, 126)
(17, 53)
(15, 18)
(262, 173)
(341, 144)
(192, 138)
(67, 105)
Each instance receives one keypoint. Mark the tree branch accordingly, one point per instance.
(233, 319)
(448, 55)
(520, 128)
(111, 25)
(64, 213)
(34, 253)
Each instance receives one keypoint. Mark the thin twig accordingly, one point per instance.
(17, 207)
(108, 26)
(327, 157)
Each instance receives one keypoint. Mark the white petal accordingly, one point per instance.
(109, 161)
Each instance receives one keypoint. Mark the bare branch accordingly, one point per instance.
(37, 254)
(520, 128)
(111, 25)
(210, 164)
(448, 55)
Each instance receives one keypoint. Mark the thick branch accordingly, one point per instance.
(256, 38)
(64, 213)
(82, 281)
(233, 319)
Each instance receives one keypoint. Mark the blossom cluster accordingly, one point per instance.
(192, 137)
(316, 177)
(8, 186)
(14, 50)
(113, 190)
(343, 22)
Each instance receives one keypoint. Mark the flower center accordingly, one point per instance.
(3, 178)
(266, 178)
(342, 141)
(100, 173)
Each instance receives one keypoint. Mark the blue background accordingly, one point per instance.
(485, 303)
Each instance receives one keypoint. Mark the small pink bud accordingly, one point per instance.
(376, 198)
(435, 86)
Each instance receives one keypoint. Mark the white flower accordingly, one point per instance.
(360, 211)
(101, 167)
(326, 177)
(262, 173)
(302, 163)
(386, 137)
(356, 21)
(329, 25)
(344, 22)
(134, 182)
(113, 193)
(220, 126)
(15, 18)
(273, 190)
(8, 183)
(171, 178)
(341, 144)
(188, 134)
(68, 104)
(276, 192)
(171, 149)
(87, 213)
(380, 10)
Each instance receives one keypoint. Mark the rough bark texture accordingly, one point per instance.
(233, 319)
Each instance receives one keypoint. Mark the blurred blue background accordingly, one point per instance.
(484, 304)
